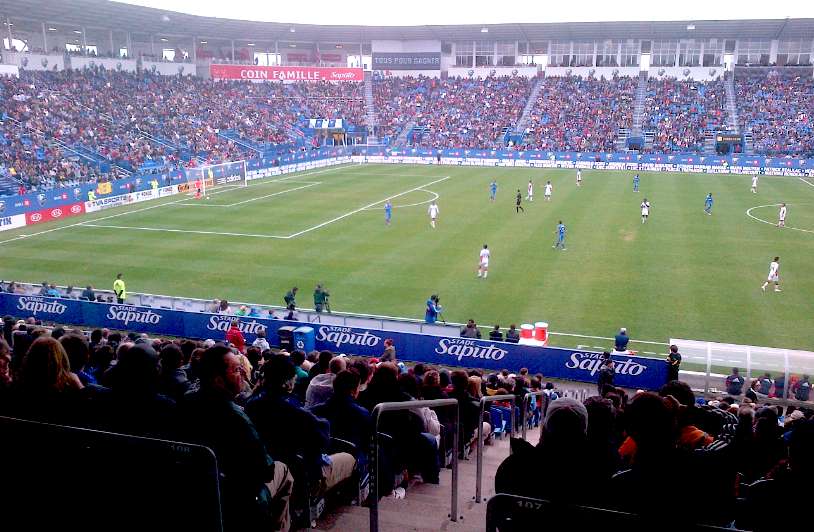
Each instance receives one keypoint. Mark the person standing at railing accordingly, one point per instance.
(119, 289)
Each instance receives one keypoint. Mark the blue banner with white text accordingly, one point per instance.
(631, 371)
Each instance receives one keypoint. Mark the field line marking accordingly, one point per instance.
(360, 209)
(199, 204)
(30, 235)
(87, 222)
(434, 194)
(165, 230)
(761, 220)
(806, 181)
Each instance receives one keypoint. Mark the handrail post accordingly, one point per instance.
(374, 470)
(479, 465)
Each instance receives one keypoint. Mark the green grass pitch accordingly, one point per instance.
(682, 274)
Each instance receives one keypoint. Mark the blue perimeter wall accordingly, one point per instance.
(631, 371)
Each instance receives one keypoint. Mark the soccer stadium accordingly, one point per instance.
(502, 273)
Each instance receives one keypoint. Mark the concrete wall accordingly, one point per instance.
(126, 65)
(485, 72)
(34, 61)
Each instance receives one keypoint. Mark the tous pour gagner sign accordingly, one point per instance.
(286, 73)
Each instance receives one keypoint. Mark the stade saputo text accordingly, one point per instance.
(345, 335)
(469, 349)
(222, 323)
(592, 362)
(41, 304)
(128, 314)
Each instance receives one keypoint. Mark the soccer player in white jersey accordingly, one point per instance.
(433, 212)
(645, 210)
(781, 216)
(548, 190)
(483, 267)
(774, 275)
(530, 191)
(579, 177)
(754, 184)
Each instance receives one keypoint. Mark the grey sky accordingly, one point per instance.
(417, 12)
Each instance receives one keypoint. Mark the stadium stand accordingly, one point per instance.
(604, 452)
(680, 114)
(578, 114)
(777, 108)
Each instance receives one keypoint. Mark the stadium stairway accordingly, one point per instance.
(731, 106)
(401, 140)
(370, 106)
(523, 122)
(638, 108)
(426, 507)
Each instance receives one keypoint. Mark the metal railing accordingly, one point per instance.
(479, 466)
(374, 457)
(525, 408)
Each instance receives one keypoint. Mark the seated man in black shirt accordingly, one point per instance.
(495, 335)
(290, 431)
(255, 489)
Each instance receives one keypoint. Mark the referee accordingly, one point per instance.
(119, 289)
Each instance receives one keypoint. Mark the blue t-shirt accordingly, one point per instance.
(708, 201)
(493, 187)
(388, 209)
(561, 230)
(636, 179)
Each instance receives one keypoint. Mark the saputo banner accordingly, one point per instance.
(286, 73)
(631, 371)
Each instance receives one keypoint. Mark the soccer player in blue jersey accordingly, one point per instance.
(492, 190)
(636, 183)
(708, 204)
(388, 212)
(560, 243)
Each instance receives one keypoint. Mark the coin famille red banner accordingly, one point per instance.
(286, 73)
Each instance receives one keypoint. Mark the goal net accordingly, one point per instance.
(210, 176)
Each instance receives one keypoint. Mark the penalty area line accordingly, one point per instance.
(167, 230)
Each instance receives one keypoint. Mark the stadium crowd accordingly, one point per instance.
(454, 112)
(259, 407)
(79, 126)
(82, 126)
(681, 113)
(575, 114)
(778, 109)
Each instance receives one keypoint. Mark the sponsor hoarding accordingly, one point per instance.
(407, 61)
(286, 73)
(12, 222)
(577, 365)
(54, 213)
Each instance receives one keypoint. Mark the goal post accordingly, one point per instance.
(209, 176)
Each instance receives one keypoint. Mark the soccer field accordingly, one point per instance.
(682, 274)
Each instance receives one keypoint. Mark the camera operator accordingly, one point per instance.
(433, 309)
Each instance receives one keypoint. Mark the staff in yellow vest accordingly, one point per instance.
(119, 289)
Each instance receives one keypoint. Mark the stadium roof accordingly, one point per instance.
(103, 14)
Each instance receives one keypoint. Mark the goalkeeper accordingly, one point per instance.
(321, 301)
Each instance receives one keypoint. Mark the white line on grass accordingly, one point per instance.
(20, 237)
(761, 220)
(434, 194)
(360, 209)
(200, 203)
(165, 230)
(807, 182)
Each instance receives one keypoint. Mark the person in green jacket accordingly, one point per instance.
(321, 299)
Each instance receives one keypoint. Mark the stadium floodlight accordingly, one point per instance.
(690, 27)
(250, 44)
(203, 42)
(52, 29)
(292, 29)
(484, 30)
